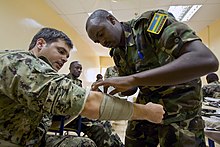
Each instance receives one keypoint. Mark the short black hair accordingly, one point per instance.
(99, 14)
(211, 77)
(99, 76)
(50, 35)
(74, 62)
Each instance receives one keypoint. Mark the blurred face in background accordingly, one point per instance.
(76, 69)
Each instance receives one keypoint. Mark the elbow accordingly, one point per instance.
(216, 65)
(91, 108)
(213, 64)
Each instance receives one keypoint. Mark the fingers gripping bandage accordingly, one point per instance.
(113, 108)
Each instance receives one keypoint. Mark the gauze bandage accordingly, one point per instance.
(113, 108)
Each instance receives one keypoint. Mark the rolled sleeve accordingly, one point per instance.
(67, 98)
(175, 36)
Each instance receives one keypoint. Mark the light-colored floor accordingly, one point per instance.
(120, 127)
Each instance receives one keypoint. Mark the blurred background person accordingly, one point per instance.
(212, 89)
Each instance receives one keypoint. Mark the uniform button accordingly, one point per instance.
(177, 40)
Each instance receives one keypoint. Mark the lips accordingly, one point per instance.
(59, 65)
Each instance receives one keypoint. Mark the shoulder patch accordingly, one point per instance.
(157, 23)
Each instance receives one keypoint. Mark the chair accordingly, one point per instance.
(58, 125)
(68, 126)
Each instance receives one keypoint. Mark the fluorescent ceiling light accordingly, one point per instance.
(184, 13)
(108, 12)
(29, 22)
(191, 12)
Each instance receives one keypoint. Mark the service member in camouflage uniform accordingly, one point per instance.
(99, 131)
(111, 72)
(165, 59)
(31, 92)
(75, 71)
(212, 89)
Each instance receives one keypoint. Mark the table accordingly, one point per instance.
(213, 136)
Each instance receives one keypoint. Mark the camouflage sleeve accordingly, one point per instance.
(174, 35)
(106, 74)
(211, 90)
(205, 91)
(31, 82)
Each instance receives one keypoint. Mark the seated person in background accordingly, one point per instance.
(99, 77)
(212, 89)
(75, 71)
(99, 131)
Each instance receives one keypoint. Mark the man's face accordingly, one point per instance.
(76, 69)
(57, 53)
(107, 32)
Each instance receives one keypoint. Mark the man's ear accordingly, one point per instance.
(40, 43)
(111, 19)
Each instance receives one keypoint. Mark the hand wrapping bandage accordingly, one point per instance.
(113, 108)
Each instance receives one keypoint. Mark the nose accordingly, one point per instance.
(103, 42)
(64, 59)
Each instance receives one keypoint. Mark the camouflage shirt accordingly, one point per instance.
(111, 72)
(212, 90)
(29, 89)
(75, 80)
(145, 50)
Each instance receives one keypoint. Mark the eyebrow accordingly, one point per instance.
(59, 47)
(98, 31)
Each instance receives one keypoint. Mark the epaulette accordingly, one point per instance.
(147, 15)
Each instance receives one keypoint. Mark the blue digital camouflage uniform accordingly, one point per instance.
(31, 92)
(148, 48)
(212, 90)
(99, 131)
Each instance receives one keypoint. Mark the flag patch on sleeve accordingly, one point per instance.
(157, 23)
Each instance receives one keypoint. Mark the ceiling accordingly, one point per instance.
(75, 12)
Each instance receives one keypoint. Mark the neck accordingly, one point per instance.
(74, 76)
(122, 42)
(34, 51)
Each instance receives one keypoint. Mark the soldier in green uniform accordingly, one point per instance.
(99, 131)
(212, 89)
(31, 92)
(75, 71)
(111, 71)
(165, 58)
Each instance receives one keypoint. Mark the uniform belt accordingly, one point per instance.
(4, 143)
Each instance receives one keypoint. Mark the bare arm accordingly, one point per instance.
(195, 60)
(151, 112)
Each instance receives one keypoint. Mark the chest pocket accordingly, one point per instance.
(146, 47)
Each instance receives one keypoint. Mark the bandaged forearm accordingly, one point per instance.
(113, 108)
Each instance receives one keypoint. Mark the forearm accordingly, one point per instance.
(92, 105)
(138, 113)
(107, 107)
(129, 92)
